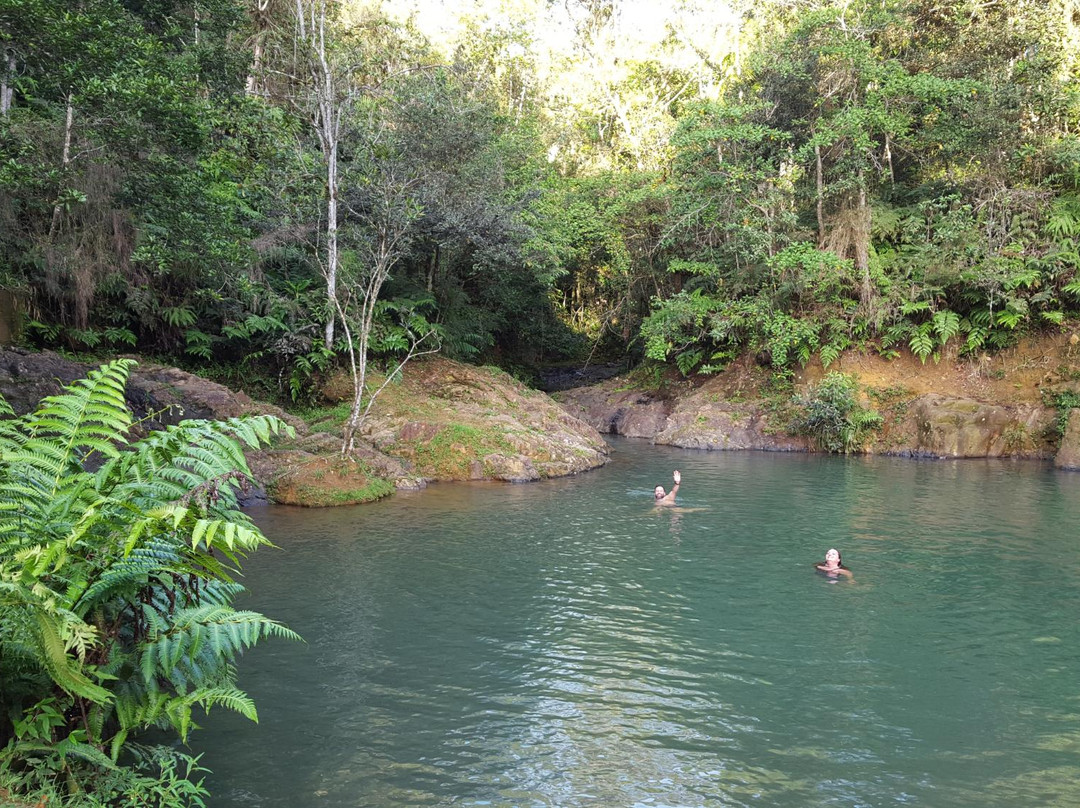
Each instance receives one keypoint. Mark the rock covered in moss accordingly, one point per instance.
(449, 421)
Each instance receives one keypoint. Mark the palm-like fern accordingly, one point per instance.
(116, 584)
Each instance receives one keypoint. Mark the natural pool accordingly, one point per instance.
(564, 644)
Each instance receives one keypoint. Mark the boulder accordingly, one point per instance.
(940, 426)
(692, 419)
(1068, 454)
(725, 427)
(157, 393)
(446, 420)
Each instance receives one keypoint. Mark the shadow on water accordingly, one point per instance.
(568, 644)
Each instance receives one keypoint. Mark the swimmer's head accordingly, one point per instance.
(658, 493)
(833, 555)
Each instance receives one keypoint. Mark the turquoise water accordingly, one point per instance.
(565, 644)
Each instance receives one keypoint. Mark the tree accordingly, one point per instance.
(330, 99)
(384, 210)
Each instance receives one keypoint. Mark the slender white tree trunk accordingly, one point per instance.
(331, 239)
(820, 199)
(65, 160)
(862, 248)
(7, 91)
(311, 26)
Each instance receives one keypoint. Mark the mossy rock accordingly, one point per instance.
(318, 482)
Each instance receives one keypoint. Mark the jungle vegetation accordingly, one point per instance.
(266, 190)
(257, 186)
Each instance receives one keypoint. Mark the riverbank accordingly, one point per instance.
(1007, 405)
(447, 421)
(441, 421)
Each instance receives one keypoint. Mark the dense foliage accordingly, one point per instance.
(899, 175)
(115, 594)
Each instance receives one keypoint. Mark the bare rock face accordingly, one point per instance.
(27, 377)
(448, 421)
(1068, 456)
(930, 425)
(697, 419)
(176, 395)
(726, 427)
(940, 426)
(617, 412)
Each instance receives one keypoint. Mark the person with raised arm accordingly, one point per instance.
(668, 498)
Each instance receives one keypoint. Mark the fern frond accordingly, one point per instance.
(59, 664)
(89, 415)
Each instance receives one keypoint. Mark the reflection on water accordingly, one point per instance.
(567, 644)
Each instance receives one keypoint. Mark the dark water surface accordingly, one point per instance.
(564, 644)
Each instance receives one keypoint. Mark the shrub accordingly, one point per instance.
(830, 415)
(116, 586)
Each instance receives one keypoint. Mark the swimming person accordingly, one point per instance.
(667, 499)
(832, 564)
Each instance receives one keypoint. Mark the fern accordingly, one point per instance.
(830, 353)
(129, 566)
(1008, 318)
(946, 324)
(922, 343)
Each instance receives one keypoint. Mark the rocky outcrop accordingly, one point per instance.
(446, 420)
(690, 418)
(443, 421)
(702, 421)
(617, 412)
(1068, 456)
(928, 425)
(162, 395)
(939, 426)
(27, 377)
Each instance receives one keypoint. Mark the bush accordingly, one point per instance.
(116, 590)
(829, 414)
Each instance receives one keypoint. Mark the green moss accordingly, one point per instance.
(450, 453)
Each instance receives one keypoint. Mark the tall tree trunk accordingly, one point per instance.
(331, 239)
(327, 122)
(862, 247)
(252, 85)
(433, 268)
(820, 199)
(7, 74)
(65, 160)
